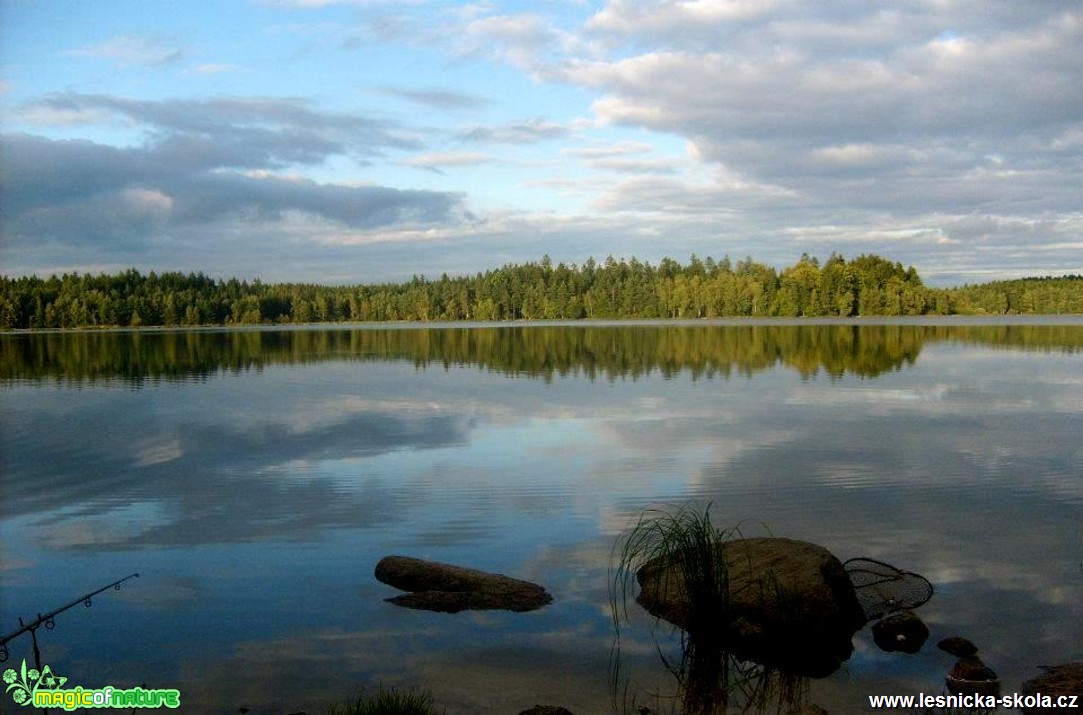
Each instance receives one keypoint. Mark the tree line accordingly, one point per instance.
(1049, 295)
(868, 285)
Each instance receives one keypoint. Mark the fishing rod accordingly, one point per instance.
(49, 623)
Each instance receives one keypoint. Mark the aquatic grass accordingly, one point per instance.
(708, 674)
(388, 702)
(684, 538)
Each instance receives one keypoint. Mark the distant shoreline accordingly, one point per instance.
(866, 287)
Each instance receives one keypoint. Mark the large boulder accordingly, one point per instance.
(789, 603)
(449, 589)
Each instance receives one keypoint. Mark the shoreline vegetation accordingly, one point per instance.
(868, 285)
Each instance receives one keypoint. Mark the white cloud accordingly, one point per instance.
(525, 132)
(636, 166)
(438, 98)
(528, 42)
(215, 68)
(860, 155)
(443, 160)
(318, 4)
(610, 150)
(631, 17)
(931, 132)
(135, 50)
(149, 201)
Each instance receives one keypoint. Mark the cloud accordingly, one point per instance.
(207, 168)
(72, 191)
(625, 158)
(722, 194)
(529, 42)
(526, 132)
(858, 155)
(611, 150)
(868, 123)
(438, 98)
(239, 131)
(305, 4)
(137, 49)
(629, 17)
(214, 68)
(636, 166)
(758, 105)
(930, 132)
(437, 161)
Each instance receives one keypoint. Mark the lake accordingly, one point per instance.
(253, 478)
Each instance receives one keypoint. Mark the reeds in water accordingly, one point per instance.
(687, 539)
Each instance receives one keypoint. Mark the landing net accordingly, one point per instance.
(881, 588)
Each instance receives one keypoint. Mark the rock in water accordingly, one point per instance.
(1055, 680)
(958, 646)
(900, 631)
(789, 603)
(450, 589)
(971, 675)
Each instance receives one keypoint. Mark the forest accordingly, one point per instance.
(868, 285)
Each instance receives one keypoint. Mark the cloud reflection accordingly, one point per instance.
(249, 491)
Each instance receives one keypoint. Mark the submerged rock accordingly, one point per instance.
(1055, 680)
(450, 589)
(788, 604)
(546, 710)
(901, 631)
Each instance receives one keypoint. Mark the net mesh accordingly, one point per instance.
(881, 588)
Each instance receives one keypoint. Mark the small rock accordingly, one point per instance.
(971, 675)
(971, 667)
(901, 631)
(958, 646)
(1055, 680)
(546, 710)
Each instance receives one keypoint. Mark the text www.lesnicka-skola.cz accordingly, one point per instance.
(974, 701)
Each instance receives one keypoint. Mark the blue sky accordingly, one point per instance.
(353, 141)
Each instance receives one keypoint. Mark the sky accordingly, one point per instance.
(350, 141)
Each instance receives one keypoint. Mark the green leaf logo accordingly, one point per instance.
(22, 684)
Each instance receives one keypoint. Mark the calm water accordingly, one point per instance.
(254, 478)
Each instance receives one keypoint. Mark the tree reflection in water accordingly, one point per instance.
(539, 350)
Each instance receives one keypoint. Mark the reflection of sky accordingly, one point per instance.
(255, 506)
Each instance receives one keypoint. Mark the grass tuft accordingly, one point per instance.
(707, 672)
(388, 702)
(686, 538)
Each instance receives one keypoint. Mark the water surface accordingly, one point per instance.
(254, 477)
